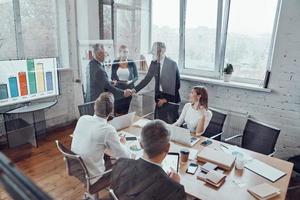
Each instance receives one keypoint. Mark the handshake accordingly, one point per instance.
(129, 92)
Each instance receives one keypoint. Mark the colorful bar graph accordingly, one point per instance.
(31, 76)
(40, 78)
(3, 91)
(49, 81)
(23, 83)
(13, 86)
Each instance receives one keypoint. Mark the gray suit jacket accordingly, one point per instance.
(169, 80)
(98, 82)
(141, 180)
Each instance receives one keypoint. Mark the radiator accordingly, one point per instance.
(235, 123)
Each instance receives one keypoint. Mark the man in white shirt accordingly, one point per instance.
(93, 135)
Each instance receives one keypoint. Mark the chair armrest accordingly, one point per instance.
(233, 137)
(213, 137)
(98, 175)
(272, 154)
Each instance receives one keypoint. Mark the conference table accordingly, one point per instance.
(237, 181)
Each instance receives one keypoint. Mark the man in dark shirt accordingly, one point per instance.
(97, 80)
(144, 178)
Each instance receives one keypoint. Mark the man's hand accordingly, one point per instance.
(114, 82)
(161, 102)
(173, 175)
(127, 93)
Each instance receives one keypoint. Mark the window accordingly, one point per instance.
(31, 29)
(217, 32)
(165, 25)
(200, 34)
(8, 48)
(249, 37)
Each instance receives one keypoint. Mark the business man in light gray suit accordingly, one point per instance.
(167, 84)
(97, 79)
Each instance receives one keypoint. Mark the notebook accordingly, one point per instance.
(208, 167)
(213, 178)
(219, 158)
(264, 170)
(264, 191)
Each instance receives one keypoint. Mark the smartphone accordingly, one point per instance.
(206, 142)
(192, 168)
(131, 138)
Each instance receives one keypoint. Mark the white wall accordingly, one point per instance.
(281, 107)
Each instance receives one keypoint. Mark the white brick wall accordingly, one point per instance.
(281, 107)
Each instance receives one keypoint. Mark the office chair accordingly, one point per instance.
(296, 161)
(259, 137)
(76, 167)
(86, 108)
(214, 129)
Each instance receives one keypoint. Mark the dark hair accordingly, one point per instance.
(203, 101)
(104, 105)
(155, 136)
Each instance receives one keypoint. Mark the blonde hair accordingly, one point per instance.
(104, 105)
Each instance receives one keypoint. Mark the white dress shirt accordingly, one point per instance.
(123, 74)
(91, 137)
(191, 117)
(161, 66)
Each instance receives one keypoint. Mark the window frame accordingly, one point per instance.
(223, 11)
(62, 50)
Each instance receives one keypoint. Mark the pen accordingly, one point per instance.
(223, 145)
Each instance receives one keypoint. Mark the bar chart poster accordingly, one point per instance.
(27, 80)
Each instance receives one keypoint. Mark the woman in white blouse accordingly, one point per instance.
(196, 114)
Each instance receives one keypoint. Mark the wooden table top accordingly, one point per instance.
(237, 182)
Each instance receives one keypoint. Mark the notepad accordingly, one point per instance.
(141, 123)
(264, 191)
(208, 167)
(264, 170)
(213, 178)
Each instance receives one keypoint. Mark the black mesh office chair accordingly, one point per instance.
(87, 108)
(214, 129)
(76, 167)
(259, 137)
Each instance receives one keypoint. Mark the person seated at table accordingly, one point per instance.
(124, 74)
(144, 178)
(92, 135)
(195, 114)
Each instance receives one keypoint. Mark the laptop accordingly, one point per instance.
(123, 121)
(182, 136)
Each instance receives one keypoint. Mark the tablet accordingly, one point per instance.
(171, 160)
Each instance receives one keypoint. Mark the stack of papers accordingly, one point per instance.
(207, 167)
(213, 178)
(264, 191)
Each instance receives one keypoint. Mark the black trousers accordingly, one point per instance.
(167, 112)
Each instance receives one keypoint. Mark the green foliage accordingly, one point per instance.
(228, 69)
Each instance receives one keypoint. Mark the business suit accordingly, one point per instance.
(98, 82)
(167, 85)
(122, 105)
(142, 180)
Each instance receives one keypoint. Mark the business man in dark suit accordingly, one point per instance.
(97, 80)
(167, 83)
(144, 178)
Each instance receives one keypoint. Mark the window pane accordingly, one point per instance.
(7, 31)
(165, 25)
(249, 36)
(107, 22)
(39, 28)
(200, 34)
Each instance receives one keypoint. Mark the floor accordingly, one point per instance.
(45, 166)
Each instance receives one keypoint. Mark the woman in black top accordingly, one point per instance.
(124, 74)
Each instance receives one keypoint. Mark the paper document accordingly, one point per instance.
(141, 123)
